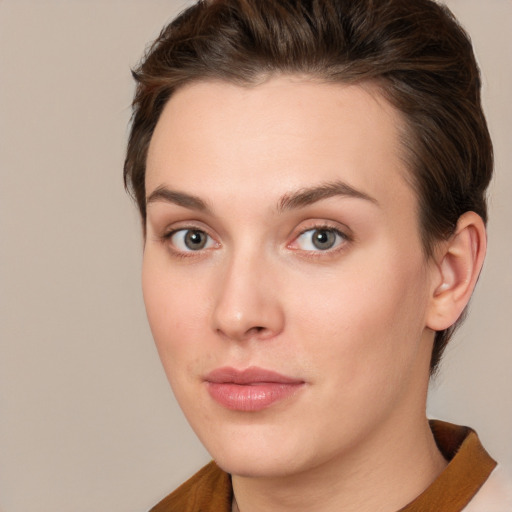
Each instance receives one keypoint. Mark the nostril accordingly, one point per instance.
(254, 331)
(246, 334)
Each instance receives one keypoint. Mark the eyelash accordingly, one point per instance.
(166, 239)
(341, 245)
(345, 238)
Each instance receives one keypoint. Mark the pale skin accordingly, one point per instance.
(254, 174)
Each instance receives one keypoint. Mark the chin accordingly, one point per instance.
(261, 467)
(258, 454)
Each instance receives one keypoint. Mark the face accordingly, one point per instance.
(283, 273)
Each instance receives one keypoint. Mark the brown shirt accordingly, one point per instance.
(210, 490)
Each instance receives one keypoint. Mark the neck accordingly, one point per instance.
(389, 473)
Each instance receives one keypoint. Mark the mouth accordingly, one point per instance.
(252, 389)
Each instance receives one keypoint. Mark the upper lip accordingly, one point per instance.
(251, 375)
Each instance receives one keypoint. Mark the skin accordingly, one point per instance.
(353, 322)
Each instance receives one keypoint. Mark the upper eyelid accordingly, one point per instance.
(319, 227)
(339, 232)
(303, 227)
(346, 238)
(161, 218)
(342, 229)
(170, 233)
(166, 239)
(186, 226)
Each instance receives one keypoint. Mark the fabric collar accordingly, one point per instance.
(470, 465)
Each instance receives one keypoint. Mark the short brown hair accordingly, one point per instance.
(415, 51)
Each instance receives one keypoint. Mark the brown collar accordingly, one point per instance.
(470, 465)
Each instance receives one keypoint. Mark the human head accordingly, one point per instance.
(417, 55)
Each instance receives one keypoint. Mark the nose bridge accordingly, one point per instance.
(246, 304)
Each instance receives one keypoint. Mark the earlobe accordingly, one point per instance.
(458, 265)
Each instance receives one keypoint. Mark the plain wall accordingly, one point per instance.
(87, 420)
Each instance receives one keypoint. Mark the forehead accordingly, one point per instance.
(286, 133)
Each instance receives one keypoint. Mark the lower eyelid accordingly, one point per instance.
(342, 239)
(165, 237)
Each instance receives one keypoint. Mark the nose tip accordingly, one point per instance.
(247, 306)
(246, 322)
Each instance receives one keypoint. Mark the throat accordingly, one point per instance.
(384, 479)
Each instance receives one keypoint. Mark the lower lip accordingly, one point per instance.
(251, 397)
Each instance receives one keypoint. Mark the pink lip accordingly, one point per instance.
(252, 389)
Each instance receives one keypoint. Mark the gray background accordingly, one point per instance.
(87, 421)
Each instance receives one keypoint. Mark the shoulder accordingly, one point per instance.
(495, 495)
(209, 490)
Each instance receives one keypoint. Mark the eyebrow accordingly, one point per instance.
(307, 196)
(189, 201)
(291, 201)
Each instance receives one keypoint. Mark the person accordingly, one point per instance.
(311, 177)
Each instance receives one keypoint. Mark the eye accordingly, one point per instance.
(187, 240)
(320, 239)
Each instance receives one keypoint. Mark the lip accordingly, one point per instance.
(251, 389)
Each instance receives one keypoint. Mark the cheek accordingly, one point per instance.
(175, 309)
(366, 320)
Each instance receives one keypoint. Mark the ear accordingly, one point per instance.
(458, 263)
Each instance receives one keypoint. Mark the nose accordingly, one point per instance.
(247, 304)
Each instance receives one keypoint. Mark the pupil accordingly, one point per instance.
(324, 239)
(195, 240)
